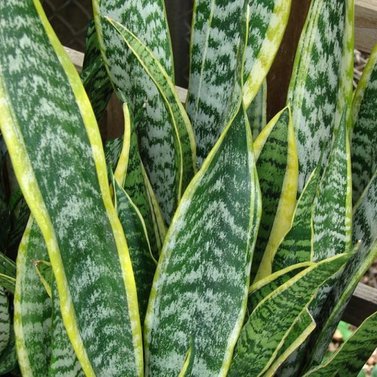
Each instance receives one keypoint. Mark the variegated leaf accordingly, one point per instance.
(8, 359)
(297, 244)
(5, 327)
(63, 362)
(332, 219)
(32, 306)
(94, 74)
(159, 140)
(180, 122)
(277, 166)
(7, 266)
(113, 149)
(301, 329)
(321, 84)
(57, 155)
(272, 320)
(138, 243)
(215, 45)
(364, 137)
(268, 20)
(352, 355)
(202, 280)
(257, 111)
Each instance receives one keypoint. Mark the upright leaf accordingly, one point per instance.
(5, 327)
(364, 139)
(32, 306)
(321, 85)
(272, 320)
(57, 155)
(268, 20)
(333, 205)
(200, 280)
(277, 168)
(215, 44)
(159, 140)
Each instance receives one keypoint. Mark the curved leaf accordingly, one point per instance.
(200, 281)
(257, 111)
(57, 155)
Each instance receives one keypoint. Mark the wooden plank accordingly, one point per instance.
(366, 24)
(362, 304)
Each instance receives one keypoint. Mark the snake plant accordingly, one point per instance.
(205, 241)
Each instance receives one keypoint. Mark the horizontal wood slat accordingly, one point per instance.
(366, 24)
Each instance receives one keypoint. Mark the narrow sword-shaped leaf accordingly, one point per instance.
(159, 143)
(277, 168)
(57, 155)
(297, 244)
(63, 362)
(332, 219)
(138, 243)
(257, 111)
(351, 357)
(32, 306)
(94, 74)
(364, 139)
(268, 20)
(201, 282)
(269, 324)
(7, 266)
(8, 359)
(215, 44)
(165, 85)
(319, 83)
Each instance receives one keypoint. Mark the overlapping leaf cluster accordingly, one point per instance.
(203, 242)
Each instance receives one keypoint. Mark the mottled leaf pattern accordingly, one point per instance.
(352, 355)
(257, 111)
(57, 155)
(138, 243)
(191, 297)
(63, 362)
(8, 359)
(317, 85)
(364, 136)
(277, 168)
(32, 306)
(332, 219)
(180, 122)
(297, 244)
(268, 20)
(272, 320)
(158, 140)
(215, 41)
(94, 74)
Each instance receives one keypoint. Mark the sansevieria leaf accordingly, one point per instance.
(352, 355)
(320, 86)
(271, 322)
(268, 20)
(32, 306)
(215, 44)
(160, 146)
(364, 139)
(277, 168)
(179, 118)
(201, 280)
(57, 155)
(5, 326)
